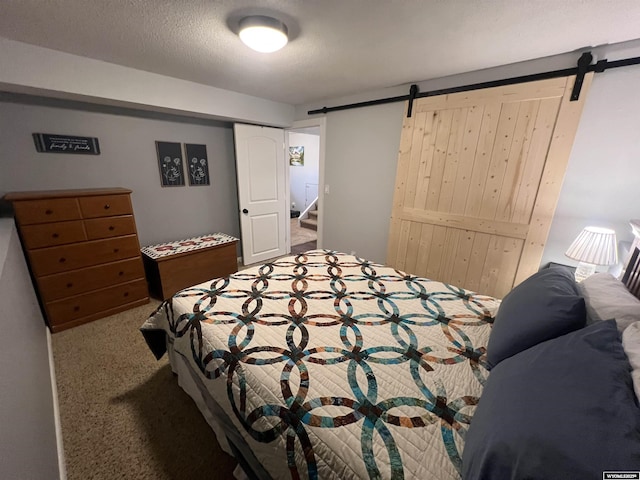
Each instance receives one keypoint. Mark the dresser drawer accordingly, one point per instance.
(42, 211)
(83, 252)
(72, 308)
(51, 234)
(62, 285)
(105, 206)
(110, 227)
(46, 261)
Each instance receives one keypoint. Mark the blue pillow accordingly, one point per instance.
(544, 306)
(562, 409)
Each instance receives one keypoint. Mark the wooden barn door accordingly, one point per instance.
(478, 179)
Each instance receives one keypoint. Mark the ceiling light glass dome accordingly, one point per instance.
(263, 34)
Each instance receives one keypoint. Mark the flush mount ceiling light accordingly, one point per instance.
(263, 34)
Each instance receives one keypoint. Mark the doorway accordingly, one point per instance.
(304, 144)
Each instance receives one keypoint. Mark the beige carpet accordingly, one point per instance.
(300, 234)
(123, 414)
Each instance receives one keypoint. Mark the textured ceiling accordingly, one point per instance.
(338, 47)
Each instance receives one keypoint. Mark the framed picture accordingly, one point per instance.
(197, 164)
(296, 156)
(170, 164)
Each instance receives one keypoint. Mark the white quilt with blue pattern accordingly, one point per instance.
(335, 367)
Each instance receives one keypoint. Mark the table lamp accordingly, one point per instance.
(594, 246)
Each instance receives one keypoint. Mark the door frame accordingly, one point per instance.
(321, 123)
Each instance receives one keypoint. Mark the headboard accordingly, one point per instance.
(631, 277)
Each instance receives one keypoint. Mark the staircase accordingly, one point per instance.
(311, 222)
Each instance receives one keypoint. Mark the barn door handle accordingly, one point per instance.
(244, 210)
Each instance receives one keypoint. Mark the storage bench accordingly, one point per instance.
(171, 267)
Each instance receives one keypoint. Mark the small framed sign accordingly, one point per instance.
(170, 164)
(197, 164)
(51, 143)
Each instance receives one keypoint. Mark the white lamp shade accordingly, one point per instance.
(595, 245)
(263, 34)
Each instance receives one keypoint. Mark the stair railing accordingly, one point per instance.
(305, 213)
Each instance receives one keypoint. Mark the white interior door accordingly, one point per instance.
(262, 191)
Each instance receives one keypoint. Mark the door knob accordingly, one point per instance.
(244, 210)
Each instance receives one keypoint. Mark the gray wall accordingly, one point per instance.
(128, 159)
(360, 168)
(601, 185)
(27, 433)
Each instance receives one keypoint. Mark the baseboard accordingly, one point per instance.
(62, 467)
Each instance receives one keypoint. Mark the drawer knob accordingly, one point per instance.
(48, 212)
(69, 285)
(62, 260)
(76, 308)
(55, 235)
(107, 206)
(121, 273)
(126, 294)
(112, 228)
(116, 250)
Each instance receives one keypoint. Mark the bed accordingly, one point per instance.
(326, 365)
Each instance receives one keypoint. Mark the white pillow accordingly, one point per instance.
(607, 297)
(631, 345)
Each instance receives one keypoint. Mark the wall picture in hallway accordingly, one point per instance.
(296, 156)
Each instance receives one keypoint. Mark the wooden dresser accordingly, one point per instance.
(83, 252)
